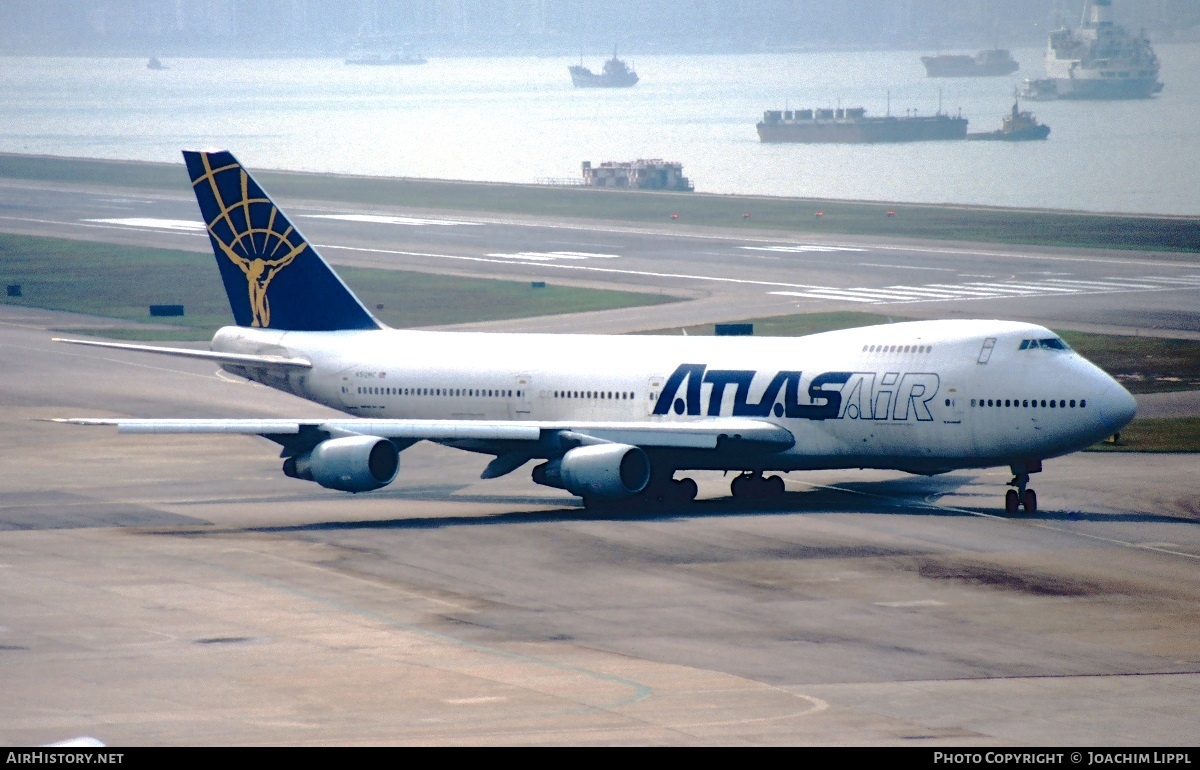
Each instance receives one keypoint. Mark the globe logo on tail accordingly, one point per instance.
(245, 231)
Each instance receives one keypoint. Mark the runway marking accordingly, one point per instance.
(1136, 261)
(909, 267)
(912, 603)
(149, 223)
(1185, 282)
(563, 266)
(949, 292)
(801, 248)
(473, 701)
(546, 256)
(816, 706)
(388, 220)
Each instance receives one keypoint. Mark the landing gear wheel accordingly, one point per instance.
(1011, 501)
(1030, 501)
(685, 490)
(752, 486)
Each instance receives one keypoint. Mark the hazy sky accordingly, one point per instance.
(328, 27)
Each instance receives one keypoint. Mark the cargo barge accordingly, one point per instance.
(852, 126)
(991, 63)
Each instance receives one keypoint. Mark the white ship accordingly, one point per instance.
(1100, 60)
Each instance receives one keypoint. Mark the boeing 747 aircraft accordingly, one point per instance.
(618, 418)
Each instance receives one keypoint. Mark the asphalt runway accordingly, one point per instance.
(180, 590)
(730, 274)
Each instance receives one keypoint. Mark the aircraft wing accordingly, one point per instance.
(698, 434)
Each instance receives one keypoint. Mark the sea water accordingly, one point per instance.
(518, 119)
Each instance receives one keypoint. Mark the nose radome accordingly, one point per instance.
(1117, 407)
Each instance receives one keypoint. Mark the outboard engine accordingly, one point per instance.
(350, 464)
(598, 470)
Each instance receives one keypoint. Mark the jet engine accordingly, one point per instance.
(598, 470)
(350, 464)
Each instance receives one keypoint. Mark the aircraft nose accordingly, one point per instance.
(1117, 407)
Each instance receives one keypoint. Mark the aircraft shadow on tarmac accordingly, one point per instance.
(914, 496)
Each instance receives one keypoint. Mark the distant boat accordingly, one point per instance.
(616, 74)
(852, 126)
(997, 61)
(1100, 60)
(382, 59)
(1020, 126)
(383, 51)
(155, 64)
(1040, 89)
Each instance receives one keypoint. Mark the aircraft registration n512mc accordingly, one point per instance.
(616, 418)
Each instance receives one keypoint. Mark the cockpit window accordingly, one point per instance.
(1052, 343)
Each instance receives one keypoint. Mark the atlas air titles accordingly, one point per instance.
(897, 396)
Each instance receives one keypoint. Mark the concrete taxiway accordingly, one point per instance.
(181, 590)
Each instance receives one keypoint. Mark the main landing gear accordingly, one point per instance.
(664, 490)
(1021, 496)
(752, 485)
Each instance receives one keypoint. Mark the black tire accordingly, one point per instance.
(1011, 502)
(1030, 501)
(686, 490)
(774, 487)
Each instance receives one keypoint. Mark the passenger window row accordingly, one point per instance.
(450, 392)
(1029, 403)
(897, 348)
(607, 395)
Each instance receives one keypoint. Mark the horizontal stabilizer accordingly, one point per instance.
(238, 359)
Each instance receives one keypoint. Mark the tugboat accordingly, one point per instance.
(983, 64)
(616, 74)
(1100, 60)
(1020, 126)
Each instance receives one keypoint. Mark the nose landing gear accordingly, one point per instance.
(1021, 496)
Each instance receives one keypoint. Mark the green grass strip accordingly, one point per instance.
(1171, 434)
(123, 281)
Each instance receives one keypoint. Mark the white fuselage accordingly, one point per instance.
(924, 397)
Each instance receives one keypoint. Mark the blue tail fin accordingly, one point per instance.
(273, 276)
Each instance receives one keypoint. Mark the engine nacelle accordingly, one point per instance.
(599, 470)
(350, 464)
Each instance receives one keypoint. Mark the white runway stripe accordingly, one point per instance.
(383, 220)
(545, 256)
(947, 292)
(1017, 288)
(1107, 284)
(824, 295)
(800, 248)
(149, 223)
